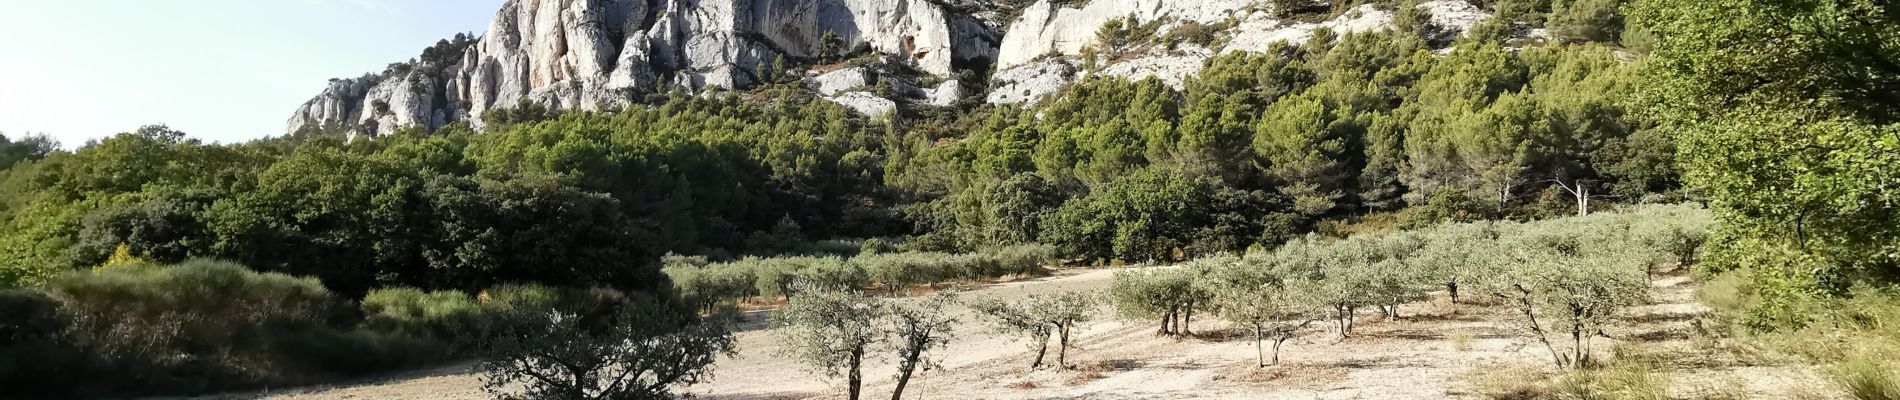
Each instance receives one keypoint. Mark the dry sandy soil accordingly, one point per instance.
(1431, 353)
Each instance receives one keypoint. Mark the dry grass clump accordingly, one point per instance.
(1621, 381)
(1509, 382)
(1083, 376)
(1618, 381)
(1866, 378)
(1461, 341)
(1023, 384)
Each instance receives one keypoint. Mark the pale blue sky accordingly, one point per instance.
(220, 70)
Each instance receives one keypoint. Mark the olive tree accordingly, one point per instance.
(918, 327)
(1066, 312)
(1397, 277)
(1569, 284)
(1454, 254)
(639, 350)
(1270, 304)
(1018, 319)
(1167, 294)
(832, 331)
(1041, 317)
(1344, 277)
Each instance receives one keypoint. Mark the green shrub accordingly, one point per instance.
(448, 316)
(1026, 260)
(203, 325)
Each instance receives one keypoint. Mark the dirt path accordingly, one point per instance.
(1427, 355)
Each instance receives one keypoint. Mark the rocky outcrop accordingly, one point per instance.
(338, 104)
(1047, 28)
(865, 103)
(586, 54)
(1040, 55)
(834, 82)
(1030, 83)
(946, 94)
(405, 101)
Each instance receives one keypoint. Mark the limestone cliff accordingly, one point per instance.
(583, 54)
(592, 54)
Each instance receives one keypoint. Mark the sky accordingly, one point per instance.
(219, 70)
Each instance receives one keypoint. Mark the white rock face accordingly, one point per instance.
(1455, 17)
(865, 103)
(946, 94)
(584, 54)
(1028, 84)
(1048, 34)
(834, 82)
(1260, 35)
(400, 102)
(1171, 68)
(1046, 28)
(340, 102)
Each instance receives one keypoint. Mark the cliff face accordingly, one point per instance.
(588, 54)
(583, 54)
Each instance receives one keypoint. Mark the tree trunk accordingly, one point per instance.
(1583, 200)
(1339, 312)
(1187, 320)
(1276, 348)
(1167, 323)
(1453, 288)
(1258, 355)
(855, 380)
(904, 369)
(1576, 345)
(1062, 353)
(1352, 316)
(1041, 349)
(1524, 305)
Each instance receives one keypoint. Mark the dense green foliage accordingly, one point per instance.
(1259, 147)
(1787, 120)
(576, 200)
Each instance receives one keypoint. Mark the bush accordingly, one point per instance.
(623, 348)
(35, 358)
(1025, 260)
(447, 316)
(203, 326)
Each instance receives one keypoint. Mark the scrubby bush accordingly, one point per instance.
(448, 316)
(627, 349)
(202, 326)
(1867, 378)
(708, 284)
(36, 358)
